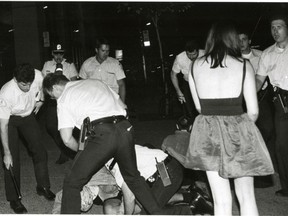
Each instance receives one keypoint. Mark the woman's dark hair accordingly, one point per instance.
(53, 79)
(24, 73)
(222, 40)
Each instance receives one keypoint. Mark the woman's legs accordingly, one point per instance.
(244, 188)
(221, 193)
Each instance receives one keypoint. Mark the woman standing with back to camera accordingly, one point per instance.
(224, 140)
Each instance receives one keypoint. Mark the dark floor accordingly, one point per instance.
(146, 131)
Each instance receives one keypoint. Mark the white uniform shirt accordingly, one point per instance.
(183, 64)
(13, 101)
(108, 72)
(146, 163)
(274, 63)
(87, 98)
(254, 57)
(69, 69)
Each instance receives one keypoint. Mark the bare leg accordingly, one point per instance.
(221, 193)
(244, 188)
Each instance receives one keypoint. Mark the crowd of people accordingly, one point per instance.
(236, 99)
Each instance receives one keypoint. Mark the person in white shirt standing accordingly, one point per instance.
(182, 64)
(105, 68)
(20, 100)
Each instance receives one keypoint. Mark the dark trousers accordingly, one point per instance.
(164, 194)
(108, 140)
(189, 105)
(47, 116)
(281, 149)
(29, 128)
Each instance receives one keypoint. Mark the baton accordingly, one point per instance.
(15, 183)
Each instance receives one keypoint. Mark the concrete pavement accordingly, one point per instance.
(151, 131)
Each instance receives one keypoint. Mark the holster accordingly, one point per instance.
(85, 130)
(282, 96)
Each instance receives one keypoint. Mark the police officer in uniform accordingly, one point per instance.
(109, 135)
(273, 63)
(48, 115)
(20, 99)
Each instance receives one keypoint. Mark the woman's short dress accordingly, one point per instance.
(232, 145)
(224, 139)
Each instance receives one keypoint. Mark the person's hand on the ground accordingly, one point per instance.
(38, 106)
(8, 160)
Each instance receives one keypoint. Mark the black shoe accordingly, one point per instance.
(282, 193)
(62, 159)
(18, 207)
(46, 192)
(199, 202)
(199, 205)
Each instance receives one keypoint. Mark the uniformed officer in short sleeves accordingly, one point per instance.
(20, 99)
(105, 68)
(110, 135)
(48, 115)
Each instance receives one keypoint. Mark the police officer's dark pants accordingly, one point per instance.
(29, 128)
(190, 106)
(109, 140)
(163, 194)
(281, 127)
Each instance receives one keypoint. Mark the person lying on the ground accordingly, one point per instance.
(146, 162)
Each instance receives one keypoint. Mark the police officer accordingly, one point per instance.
(110, 135)
(105, 68)
(273, 63)
(20, 98)
(48, 115)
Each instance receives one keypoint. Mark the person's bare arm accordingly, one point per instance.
(7, 159)
(122, 89)
(68, 139)
(259, 81)
(174, 80)
(250, 93)
(194, 91)
(128, 199)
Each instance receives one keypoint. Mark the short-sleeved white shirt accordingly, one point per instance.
(69, 69)
(146, 163)
(183, 64)
(254, 57)
(13, 101)
(108, 71)
(87, 98)
(274, 63)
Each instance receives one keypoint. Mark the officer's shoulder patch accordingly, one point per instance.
(2, 102)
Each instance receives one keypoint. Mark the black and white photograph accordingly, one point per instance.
(144, 107)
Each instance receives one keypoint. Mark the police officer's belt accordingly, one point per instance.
(110, 119)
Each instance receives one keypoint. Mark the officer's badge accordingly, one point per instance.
(2, 103)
